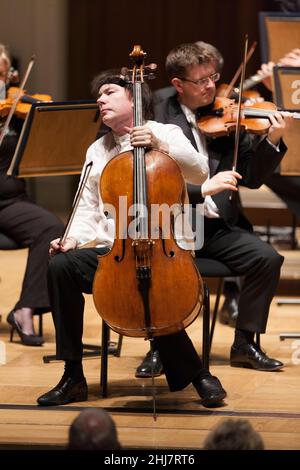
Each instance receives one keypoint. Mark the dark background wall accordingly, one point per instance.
(102, 34)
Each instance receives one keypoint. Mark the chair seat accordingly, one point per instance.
(213, 268)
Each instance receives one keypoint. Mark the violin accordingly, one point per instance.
(145, 287)
(24, 104)
(221, 120)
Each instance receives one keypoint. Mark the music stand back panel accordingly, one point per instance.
(287, 96)
(279, 34)
(287, 87)
(55, 138)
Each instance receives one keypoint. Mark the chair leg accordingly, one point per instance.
(216, 309)
(104, 355)
(205, 328)
(119, 347)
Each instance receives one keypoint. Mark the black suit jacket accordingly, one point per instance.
(255, 164)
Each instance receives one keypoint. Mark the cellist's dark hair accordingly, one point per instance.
(114, 76)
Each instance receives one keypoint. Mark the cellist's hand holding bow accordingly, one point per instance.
(142, 136)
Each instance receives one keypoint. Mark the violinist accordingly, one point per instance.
(228, 235)
(231, 287)
(29, 225)
(72, 270)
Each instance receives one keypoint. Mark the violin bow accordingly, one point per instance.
(77, 198)
(238, 119)
(237, 73)
(16, 100)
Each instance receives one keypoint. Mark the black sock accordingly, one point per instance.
(74, 369)
(243, 337)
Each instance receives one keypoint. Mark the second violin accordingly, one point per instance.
(221, 120)
(24, 103)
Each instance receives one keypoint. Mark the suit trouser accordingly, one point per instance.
(32, 227)
(252, 258)
(69, 276)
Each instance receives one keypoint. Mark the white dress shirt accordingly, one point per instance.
(210, 208)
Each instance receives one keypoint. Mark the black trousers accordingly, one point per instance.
(32, 227)
(252, 258)
(69, 276)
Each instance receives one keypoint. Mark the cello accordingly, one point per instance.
(146, 285)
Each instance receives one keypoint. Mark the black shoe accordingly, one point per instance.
(252, 357)
(145, 368)
(229, 311)
(68, 390)
(28, 340)
(210, 391)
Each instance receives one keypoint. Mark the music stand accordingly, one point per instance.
(279, 34)
(54, 140)
(287, 96)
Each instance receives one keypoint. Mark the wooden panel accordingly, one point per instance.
(101, 34)
(55, 138)
(290, 164)
(283, 35)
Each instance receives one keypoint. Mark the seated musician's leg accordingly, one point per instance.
(69, 275)
(260, 265)
(182, 366)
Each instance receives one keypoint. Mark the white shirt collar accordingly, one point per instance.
(189, 114)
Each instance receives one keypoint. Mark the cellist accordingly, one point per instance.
(228, 235)
(72, 270)
(29, 225)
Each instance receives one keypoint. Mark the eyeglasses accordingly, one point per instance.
(202, 82)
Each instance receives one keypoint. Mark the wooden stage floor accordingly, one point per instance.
(271, 401)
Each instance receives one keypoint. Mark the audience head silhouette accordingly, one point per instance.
(93, 429)
(234, 435)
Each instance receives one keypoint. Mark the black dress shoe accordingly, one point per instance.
(229, 311)
(28, 340)
(252, 357)
(147, 366)
(210, 391)
(68, 390)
